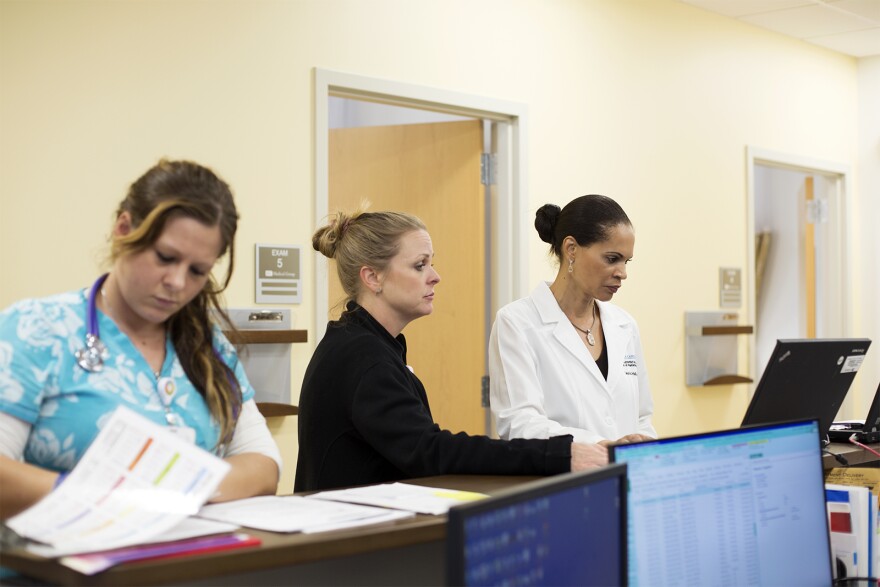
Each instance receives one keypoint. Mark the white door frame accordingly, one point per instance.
(840, 231)
(509, 270)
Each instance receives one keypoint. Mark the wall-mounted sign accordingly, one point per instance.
(730, 287)
(278, 279)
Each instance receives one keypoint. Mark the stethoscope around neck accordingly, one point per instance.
(92, 356)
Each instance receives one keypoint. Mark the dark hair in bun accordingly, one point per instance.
(545, 221)
(588, 219)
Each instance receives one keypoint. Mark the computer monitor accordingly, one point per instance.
(865, 432)
(736, 507)
(564, 530)
(806, 379)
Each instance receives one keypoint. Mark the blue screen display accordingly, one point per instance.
(569, 537)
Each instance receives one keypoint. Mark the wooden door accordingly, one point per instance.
(432, 171)
(810, 260)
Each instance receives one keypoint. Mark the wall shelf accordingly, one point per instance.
(728, 380)
(272, 409)
(711, 348)
(266, 336)
(719, 330)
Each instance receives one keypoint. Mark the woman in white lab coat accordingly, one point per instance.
(565, 360)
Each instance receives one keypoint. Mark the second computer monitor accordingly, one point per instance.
(736, 507)
(564, 530)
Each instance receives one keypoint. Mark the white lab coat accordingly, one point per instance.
(543, 381)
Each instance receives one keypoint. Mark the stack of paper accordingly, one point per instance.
(95, 562)
(403, 496)
(135, 481)
(291, 513)
(139, 484)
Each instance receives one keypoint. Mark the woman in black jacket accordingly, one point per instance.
(363, 415)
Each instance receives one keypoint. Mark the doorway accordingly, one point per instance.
(456, 405)
(430, 170)
(799, 273)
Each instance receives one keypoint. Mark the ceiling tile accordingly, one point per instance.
(851, 27)
(858, 44)
(808, 21)
(866, 8)
(739, 8)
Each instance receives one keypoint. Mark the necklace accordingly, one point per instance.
(590, 339)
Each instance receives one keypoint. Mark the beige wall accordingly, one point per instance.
(867, 238)
(651, 102)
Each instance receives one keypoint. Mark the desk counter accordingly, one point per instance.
(405, 552)
(854, 455)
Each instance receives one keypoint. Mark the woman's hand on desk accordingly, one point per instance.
(628, 439)
(251, 474)
(588, 456)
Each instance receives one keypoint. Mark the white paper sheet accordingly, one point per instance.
(291, 513)
(136, 481)
(402, 496)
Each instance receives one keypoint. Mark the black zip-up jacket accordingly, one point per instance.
(364, 419)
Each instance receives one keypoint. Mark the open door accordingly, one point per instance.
(802, 283)
(432, 171)
(804, 274)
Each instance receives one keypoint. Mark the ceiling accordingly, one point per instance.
(851, 27)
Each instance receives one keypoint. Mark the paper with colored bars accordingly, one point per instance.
(402, 496)
(135, 481)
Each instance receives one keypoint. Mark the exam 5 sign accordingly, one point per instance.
(278, 274)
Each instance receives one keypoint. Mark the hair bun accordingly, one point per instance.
(326, 239)
(545, 221)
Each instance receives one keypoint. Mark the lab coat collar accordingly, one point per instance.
(615, 326)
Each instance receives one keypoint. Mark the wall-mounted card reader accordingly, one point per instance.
(267, 365)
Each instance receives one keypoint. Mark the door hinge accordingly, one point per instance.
(484, 391)
(488, 169)
(817, 211)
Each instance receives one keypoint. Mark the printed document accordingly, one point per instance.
(402, 496)
(136, 481)
(292, 513)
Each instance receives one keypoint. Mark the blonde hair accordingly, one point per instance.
(362, 239)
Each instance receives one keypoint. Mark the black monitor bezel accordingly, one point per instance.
(872, 419)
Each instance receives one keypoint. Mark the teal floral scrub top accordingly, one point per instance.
(42, 384)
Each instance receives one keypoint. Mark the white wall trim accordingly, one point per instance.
(755, 155)
(509, 244)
